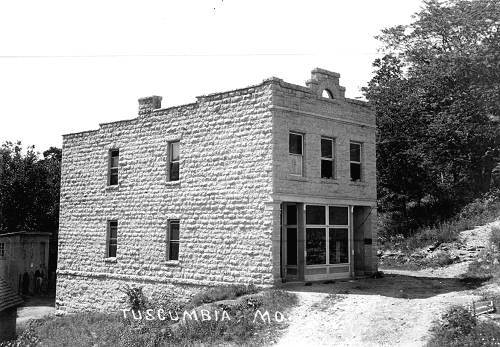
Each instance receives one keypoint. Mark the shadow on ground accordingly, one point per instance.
(391, 285)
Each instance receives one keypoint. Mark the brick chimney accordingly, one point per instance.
(149, 103)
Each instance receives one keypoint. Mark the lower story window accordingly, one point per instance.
(327, 235)
(112, 238)
(173, 240)
(2, 249)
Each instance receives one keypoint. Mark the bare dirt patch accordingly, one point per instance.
(396, 310)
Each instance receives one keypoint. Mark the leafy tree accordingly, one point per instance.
(436, 93)
(29, 189)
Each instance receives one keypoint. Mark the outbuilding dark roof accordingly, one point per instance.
(8, 298)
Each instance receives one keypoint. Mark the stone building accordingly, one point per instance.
(265, 184)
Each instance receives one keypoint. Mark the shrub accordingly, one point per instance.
(456, 323)
(459, 328)
(478, 212)
(135, 297)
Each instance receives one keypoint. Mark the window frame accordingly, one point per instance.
(2, 250)
(111, 167)
(109, 239)
(360, 162)
(171, 161)
(170, 241)
(327, 228)
(301, 156)
(332, 159)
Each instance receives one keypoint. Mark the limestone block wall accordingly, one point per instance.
(300, 109)
(223, 200)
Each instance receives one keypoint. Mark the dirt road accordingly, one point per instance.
(396, 310)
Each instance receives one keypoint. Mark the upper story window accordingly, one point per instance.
(173, 174)
(173, 240)
(114, 155)
(355, 161)
(327, 158)
(295, 153)
(2, 249)
(112, 239)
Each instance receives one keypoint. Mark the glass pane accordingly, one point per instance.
(174, 231)
(291, 214)
(355, 172)
(174, 171)
(295, 143)
(112, 232)
(326, 148)
(173, 252)
(112, 250)
(315, 214)
(326, 169)
(295, 164)
(114, 161)
(291, 246)
(339, 246)
(175, 151)
(113, 179)
(355, 152)
(315, 246)
(338, 215)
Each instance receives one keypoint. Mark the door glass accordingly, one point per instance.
(291, 214)
(339, 246)
(316, 246)
(291, 246)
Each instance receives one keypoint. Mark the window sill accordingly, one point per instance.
(296, 178)
(172, 262)
(173, 183)
(112, 188)
(110, 260)
(329, 180)
(358, 183)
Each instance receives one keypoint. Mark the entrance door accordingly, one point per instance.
(327, 242)
(290, 244)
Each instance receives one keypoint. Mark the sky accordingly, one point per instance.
(66, 66)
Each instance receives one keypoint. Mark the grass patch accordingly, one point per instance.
(101, 329)
(458, 327)
(408, 261)
(221, 293)
(478, 212)
(409, 249)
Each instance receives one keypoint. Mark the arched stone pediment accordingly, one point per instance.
(322, 80)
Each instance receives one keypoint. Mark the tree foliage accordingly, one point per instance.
(29, 189)
(436, 91)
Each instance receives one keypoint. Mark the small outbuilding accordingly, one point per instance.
(9, 301)
(24, 257)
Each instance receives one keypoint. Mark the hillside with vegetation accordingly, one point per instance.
(435, 91)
